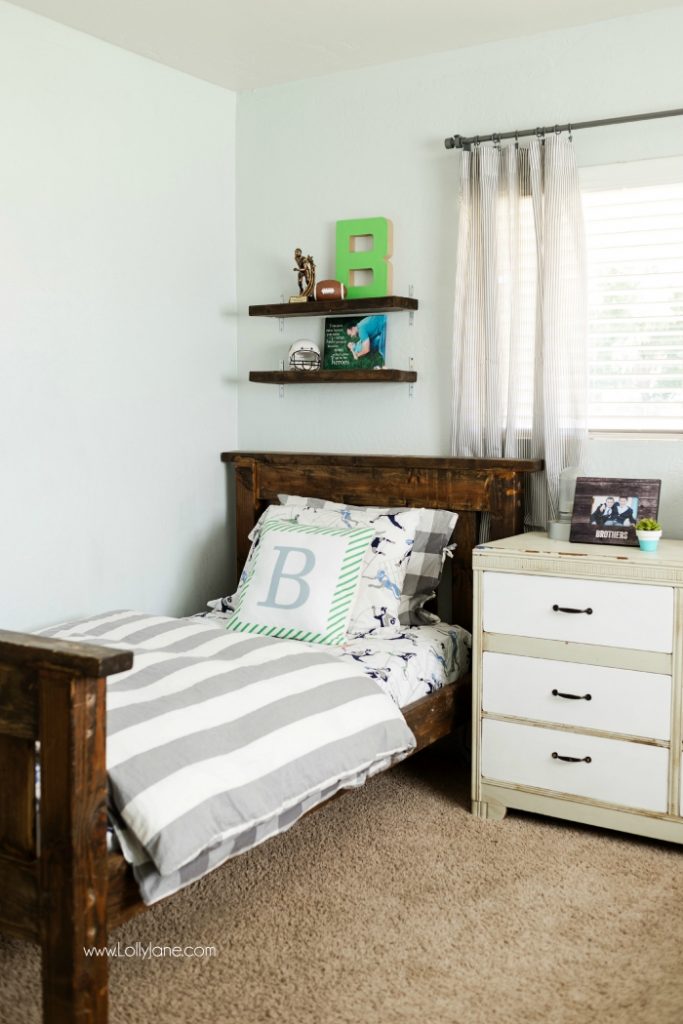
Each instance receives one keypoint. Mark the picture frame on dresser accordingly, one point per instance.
(606, 509)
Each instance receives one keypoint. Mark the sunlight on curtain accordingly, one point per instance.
(519, 348)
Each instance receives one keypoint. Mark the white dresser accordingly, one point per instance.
(578, 683)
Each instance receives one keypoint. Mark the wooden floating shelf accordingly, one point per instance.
(384, 304)
(332, 376)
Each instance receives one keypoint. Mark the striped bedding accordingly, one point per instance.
(218, 740)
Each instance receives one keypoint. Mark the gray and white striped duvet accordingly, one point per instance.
(217, 740)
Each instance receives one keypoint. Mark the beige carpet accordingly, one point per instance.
(394, 905)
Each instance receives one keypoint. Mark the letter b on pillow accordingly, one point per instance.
(302, 582)
(295, 576)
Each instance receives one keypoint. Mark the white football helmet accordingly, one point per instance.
(304, 355)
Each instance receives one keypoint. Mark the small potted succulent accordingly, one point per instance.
(648, 532)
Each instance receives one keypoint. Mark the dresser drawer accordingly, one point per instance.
(611, 699)
(621, 614)
(628, 774)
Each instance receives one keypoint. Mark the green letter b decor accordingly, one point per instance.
(356, 262)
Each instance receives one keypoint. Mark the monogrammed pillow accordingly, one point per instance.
(302, 582)
(384, 567)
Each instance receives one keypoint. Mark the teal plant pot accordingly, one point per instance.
(648, 539)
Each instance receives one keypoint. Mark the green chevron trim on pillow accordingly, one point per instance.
(302, 582)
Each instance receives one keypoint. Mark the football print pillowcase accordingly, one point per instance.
(385, 562)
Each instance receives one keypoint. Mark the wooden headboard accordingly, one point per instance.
(467, 486)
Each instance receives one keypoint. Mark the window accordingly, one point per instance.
(634, 237)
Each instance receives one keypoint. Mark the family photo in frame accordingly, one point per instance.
(606, 510)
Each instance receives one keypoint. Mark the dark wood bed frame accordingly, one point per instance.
(59, 886)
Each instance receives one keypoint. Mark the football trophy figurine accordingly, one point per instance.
(305, 276)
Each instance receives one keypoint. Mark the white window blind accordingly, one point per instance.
(634, 237)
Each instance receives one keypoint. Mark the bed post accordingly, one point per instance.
(73, 850)
(67, 687)
(507, 503)
(247, 505)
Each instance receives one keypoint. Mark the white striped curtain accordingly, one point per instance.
(519, 347)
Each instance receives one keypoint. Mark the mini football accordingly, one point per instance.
(330, 290)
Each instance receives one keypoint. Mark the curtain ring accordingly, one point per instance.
(516, 139)
(557, 129)
(476, 140)
(496, 140)
(569, 129)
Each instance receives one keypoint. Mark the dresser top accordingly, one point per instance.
(532, 546)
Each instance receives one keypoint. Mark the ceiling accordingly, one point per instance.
(252, 43)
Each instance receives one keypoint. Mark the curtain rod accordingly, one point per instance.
(464, 142)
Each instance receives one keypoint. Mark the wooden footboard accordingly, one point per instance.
(54, 871)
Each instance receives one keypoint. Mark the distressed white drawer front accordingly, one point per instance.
(636, 703)
(622, 614)
(629, 774)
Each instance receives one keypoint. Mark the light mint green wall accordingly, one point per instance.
(369, 143)
(117, 338)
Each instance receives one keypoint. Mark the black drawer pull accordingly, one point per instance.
(574, 760)
(573, 611)
(572, 696)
